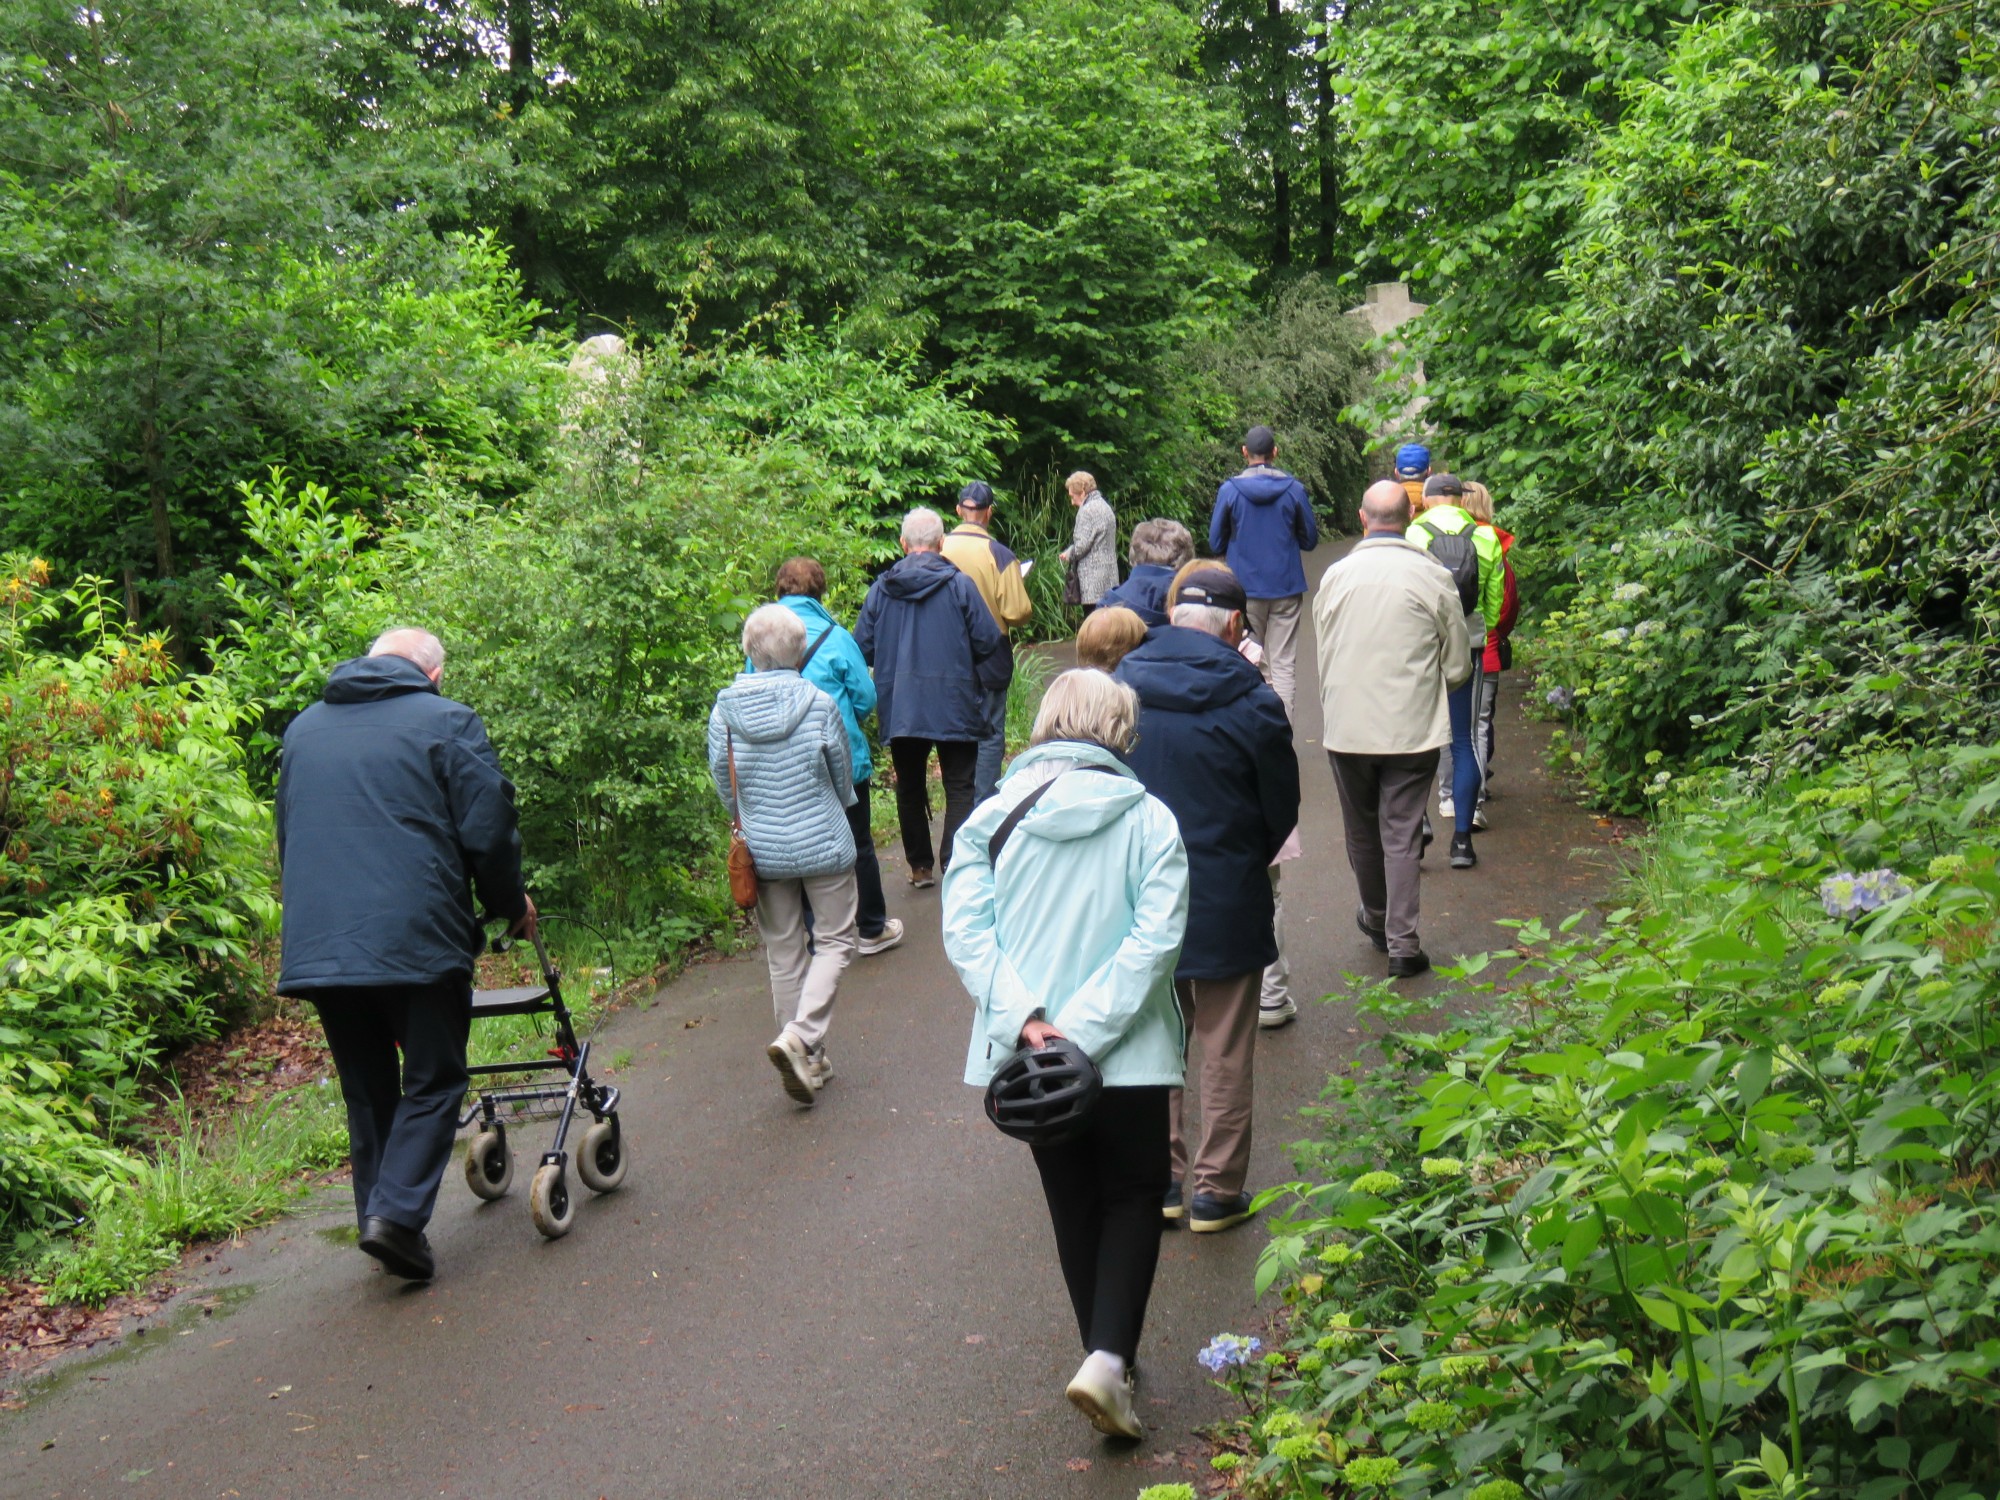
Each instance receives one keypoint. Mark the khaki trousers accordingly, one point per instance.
(803, 983)
(1222, 1020)
(1275, 623)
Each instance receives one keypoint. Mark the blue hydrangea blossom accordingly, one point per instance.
(1849, 895)
(1227, 1350)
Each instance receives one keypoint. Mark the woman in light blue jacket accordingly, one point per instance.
(1076, 933)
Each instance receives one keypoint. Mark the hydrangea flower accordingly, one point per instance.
(1945, 866)
(1647, 627)
(1228, 1350)
(1559, 698)
(1431, 1416)
(1853, 1044)
(1715, 1165)
(1441, 1166)
(1850, 896)
(1167, 1492)
(1339, 1255)
(1222, 1463)
(1375, 1184)
(1625, 593)
(1311, 1364)
(1283, 1423)
(1617, 636)
(1837, 994)
(1295, 1449)
(1498, 1489)
(1361, 1471)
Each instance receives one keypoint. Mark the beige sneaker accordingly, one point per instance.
(890, 935)
(795, 1067)
(822, 1069)
(1103, 1393)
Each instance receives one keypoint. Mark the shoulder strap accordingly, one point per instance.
(735, 797)
(1020, 810)
(813, 649)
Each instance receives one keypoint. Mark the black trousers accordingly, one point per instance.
(959, 760)
(872, 913)
(1104, 1190)
(401, 1112)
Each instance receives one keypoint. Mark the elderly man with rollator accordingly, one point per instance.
(1215, 745)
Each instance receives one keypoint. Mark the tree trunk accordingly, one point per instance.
(1281, 135)
(153, 454)
(1329, 165)
(521, 88)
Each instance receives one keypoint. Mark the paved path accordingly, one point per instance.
(857, 1301)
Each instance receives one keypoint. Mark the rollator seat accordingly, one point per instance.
(522, 1000)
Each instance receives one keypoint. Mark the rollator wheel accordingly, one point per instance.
(489, 1165)
(549, 1202)
(601, 1160)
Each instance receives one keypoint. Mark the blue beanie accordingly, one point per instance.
(1411, 461)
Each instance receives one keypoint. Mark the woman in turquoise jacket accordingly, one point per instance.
(1076, 934)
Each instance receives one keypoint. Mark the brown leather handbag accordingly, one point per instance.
(742, 864)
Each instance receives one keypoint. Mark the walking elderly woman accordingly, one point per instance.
(778, 752)
(1093, 550)
(1075, 934)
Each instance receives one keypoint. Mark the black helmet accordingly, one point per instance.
(1044, 1095)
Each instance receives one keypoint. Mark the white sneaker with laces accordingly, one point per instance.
(890, 935)
(1270, 1017)
(795, 1067)
(1102, 1390)
(822, 1069)
(1445, 811)
(1479, 816)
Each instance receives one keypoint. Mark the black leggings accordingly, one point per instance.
(1104, 1190)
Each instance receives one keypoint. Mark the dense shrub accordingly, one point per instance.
(1704, 1203)
(134, 878)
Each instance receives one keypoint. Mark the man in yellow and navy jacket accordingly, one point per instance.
(996, 572)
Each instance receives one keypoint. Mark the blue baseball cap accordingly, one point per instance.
(978, 495)
(1411, 461)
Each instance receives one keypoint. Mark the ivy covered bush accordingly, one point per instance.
(1703, 1203)
(134, 880)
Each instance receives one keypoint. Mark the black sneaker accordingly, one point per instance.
(1429, 837)
(1207, 1215)
(1409, 965)
(1374, 935)
(403, 1251)
(1173, 1207)
(1462, 857)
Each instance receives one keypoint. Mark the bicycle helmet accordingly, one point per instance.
(1044, 1095)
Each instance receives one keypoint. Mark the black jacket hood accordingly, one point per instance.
(1187, 671)
(918, 576)
(370, 679)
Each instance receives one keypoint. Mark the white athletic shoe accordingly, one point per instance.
(1445, 812)
(1271, 1017)
(1102, 1390)
(890, 935)
(1479, 816)
(795, 1066)
(822, 1069)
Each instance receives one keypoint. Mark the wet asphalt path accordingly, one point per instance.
(860, 1300)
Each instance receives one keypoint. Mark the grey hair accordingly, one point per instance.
(774, 639)
(923, 530)
(1086, 704)
(412, 644)
(1209, 619)
(1160, 544)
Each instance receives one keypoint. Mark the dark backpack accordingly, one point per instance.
(1461, 559)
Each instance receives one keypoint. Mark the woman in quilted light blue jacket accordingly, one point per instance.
(779, 754)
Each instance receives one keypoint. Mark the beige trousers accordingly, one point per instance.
(803, 983)
(1276, 625)
(1222, 1024)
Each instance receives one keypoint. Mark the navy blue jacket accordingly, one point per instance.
(391, 812)
(1144, 593)
(933, 644)
(1262, 522)
(1215, 746)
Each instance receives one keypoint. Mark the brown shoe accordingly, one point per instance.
(921, 876)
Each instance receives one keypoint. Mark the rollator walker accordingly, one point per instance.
(565, 1087)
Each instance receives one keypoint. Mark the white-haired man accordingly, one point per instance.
(932, 642)
(392, 815)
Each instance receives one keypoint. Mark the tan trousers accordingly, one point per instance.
(1222, 1022)
(1276, 625)
(803, 984)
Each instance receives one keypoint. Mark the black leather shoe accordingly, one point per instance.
(1425, 847)
(1374, 935)
(403, 1252)
(1462, 857)
(1409, 965)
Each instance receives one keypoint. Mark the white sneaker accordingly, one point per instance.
(890, 935)
(822, 1069)
(1102, 1390)
(1271, 1017)
(795, 1066)
(1445, 813)
(1479, 816)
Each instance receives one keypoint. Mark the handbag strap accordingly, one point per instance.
(1020, 810)
(735, 796)
(813, 649)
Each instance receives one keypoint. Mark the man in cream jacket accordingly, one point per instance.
(1392, 644)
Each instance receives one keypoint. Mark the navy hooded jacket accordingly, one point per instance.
(391, 813)
(1262, 522)
(1215, 746)
(933, 644)
(1144, 593)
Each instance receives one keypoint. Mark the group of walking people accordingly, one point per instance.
(1117, 887)
(1113, 894)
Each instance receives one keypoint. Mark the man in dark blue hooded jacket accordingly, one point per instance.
(392, 814)
(1263, 524)
(936, 649)
(1159, 549)
(1215, 745)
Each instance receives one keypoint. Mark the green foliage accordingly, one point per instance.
(1704, 1203)
(133, 881)
(1061, 254)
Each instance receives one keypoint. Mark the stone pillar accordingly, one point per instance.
(1386, 308)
